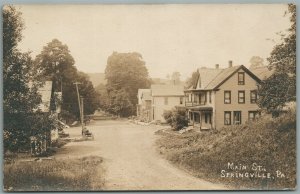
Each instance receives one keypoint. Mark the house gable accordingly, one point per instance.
(205, 76)
(240, 97)
(227, 74)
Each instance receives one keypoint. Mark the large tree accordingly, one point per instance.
(55, 63)
(175, 78)
(102, 96)
(125, 74)
(20, 99)
(256, 61)
(192, 81)
(283, 61)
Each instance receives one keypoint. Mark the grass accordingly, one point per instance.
(83, 174)
(268, 142)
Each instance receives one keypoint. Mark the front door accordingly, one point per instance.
(206, 120)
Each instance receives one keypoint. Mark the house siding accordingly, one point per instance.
(232, 85)
(159, 105)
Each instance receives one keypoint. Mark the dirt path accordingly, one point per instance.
(131, 161)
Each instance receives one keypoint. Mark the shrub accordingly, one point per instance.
(176, 118)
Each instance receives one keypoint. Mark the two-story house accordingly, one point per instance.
(222, 97)
(165, 97)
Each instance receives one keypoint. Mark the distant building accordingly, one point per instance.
(39, 144)
(144, 105)
(166, 81)
(222, 97)
(48, 96)
(165, 97)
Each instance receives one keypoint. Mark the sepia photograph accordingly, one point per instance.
(149, 97)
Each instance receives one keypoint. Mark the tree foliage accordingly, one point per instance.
(55, 63)
(280, 88)
(176, 118)
(103, 96)
(13, 25)
(175, 78)
(192, 81)
(273, 93)
(256, 61)
(20, 97)
(125, 74)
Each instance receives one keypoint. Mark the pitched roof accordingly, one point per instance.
(262, 72)
(45, 92)
(146, 95)
(210, 79)
(167, 90)
(206, 76)
(223, 75)
(141, 91)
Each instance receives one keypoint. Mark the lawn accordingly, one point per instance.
(269, 143)
(81, 174)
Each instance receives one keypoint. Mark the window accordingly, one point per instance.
(181, 100)
(227, 97)
(241, 78)
(227, 118)
(253, 96)
(209, 93)
(253, 115)
(196, 98)
(241, 97)
(237, 117)
(202, 98)
(166, 100)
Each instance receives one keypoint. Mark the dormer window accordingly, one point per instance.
(241, 78)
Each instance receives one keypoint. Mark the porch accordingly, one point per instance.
(201, 117)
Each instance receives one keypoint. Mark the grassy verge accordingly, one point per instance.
(84, 174)
(270, 143)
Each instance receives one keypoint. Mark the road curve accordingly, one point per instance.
(130, 158)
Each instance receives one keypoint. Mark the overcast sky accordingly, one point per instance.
(169, 37)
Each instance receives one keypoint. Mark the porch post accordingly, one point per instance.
(193, 116)
(211, 115)
(200, 115)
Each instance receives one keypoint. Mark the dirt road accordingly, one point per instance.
(130, 158)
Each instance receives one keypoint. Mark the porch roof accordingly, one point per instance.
(200, 108)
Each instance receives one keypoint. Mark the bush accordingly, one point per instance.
(176, 118)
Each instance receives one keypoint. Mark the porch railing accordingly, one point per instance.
(187, 104)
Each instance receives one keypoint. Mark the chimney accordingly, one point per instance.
(217, 66)
(230, 63)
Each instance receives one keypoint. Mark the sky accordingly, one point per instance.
(169, 37)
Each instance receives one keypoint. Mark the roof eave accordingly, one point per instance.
(241, 67)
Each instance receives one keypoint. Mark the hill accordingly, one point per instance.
(97, 78)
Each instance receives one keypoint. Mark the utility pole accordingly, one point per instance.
(80, 111)
(82, 115)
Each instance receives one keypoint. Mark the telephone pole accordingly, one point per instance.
(82, 115)
(79, 105)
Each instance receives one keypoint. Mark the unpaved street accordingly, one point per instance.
(130, 159)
